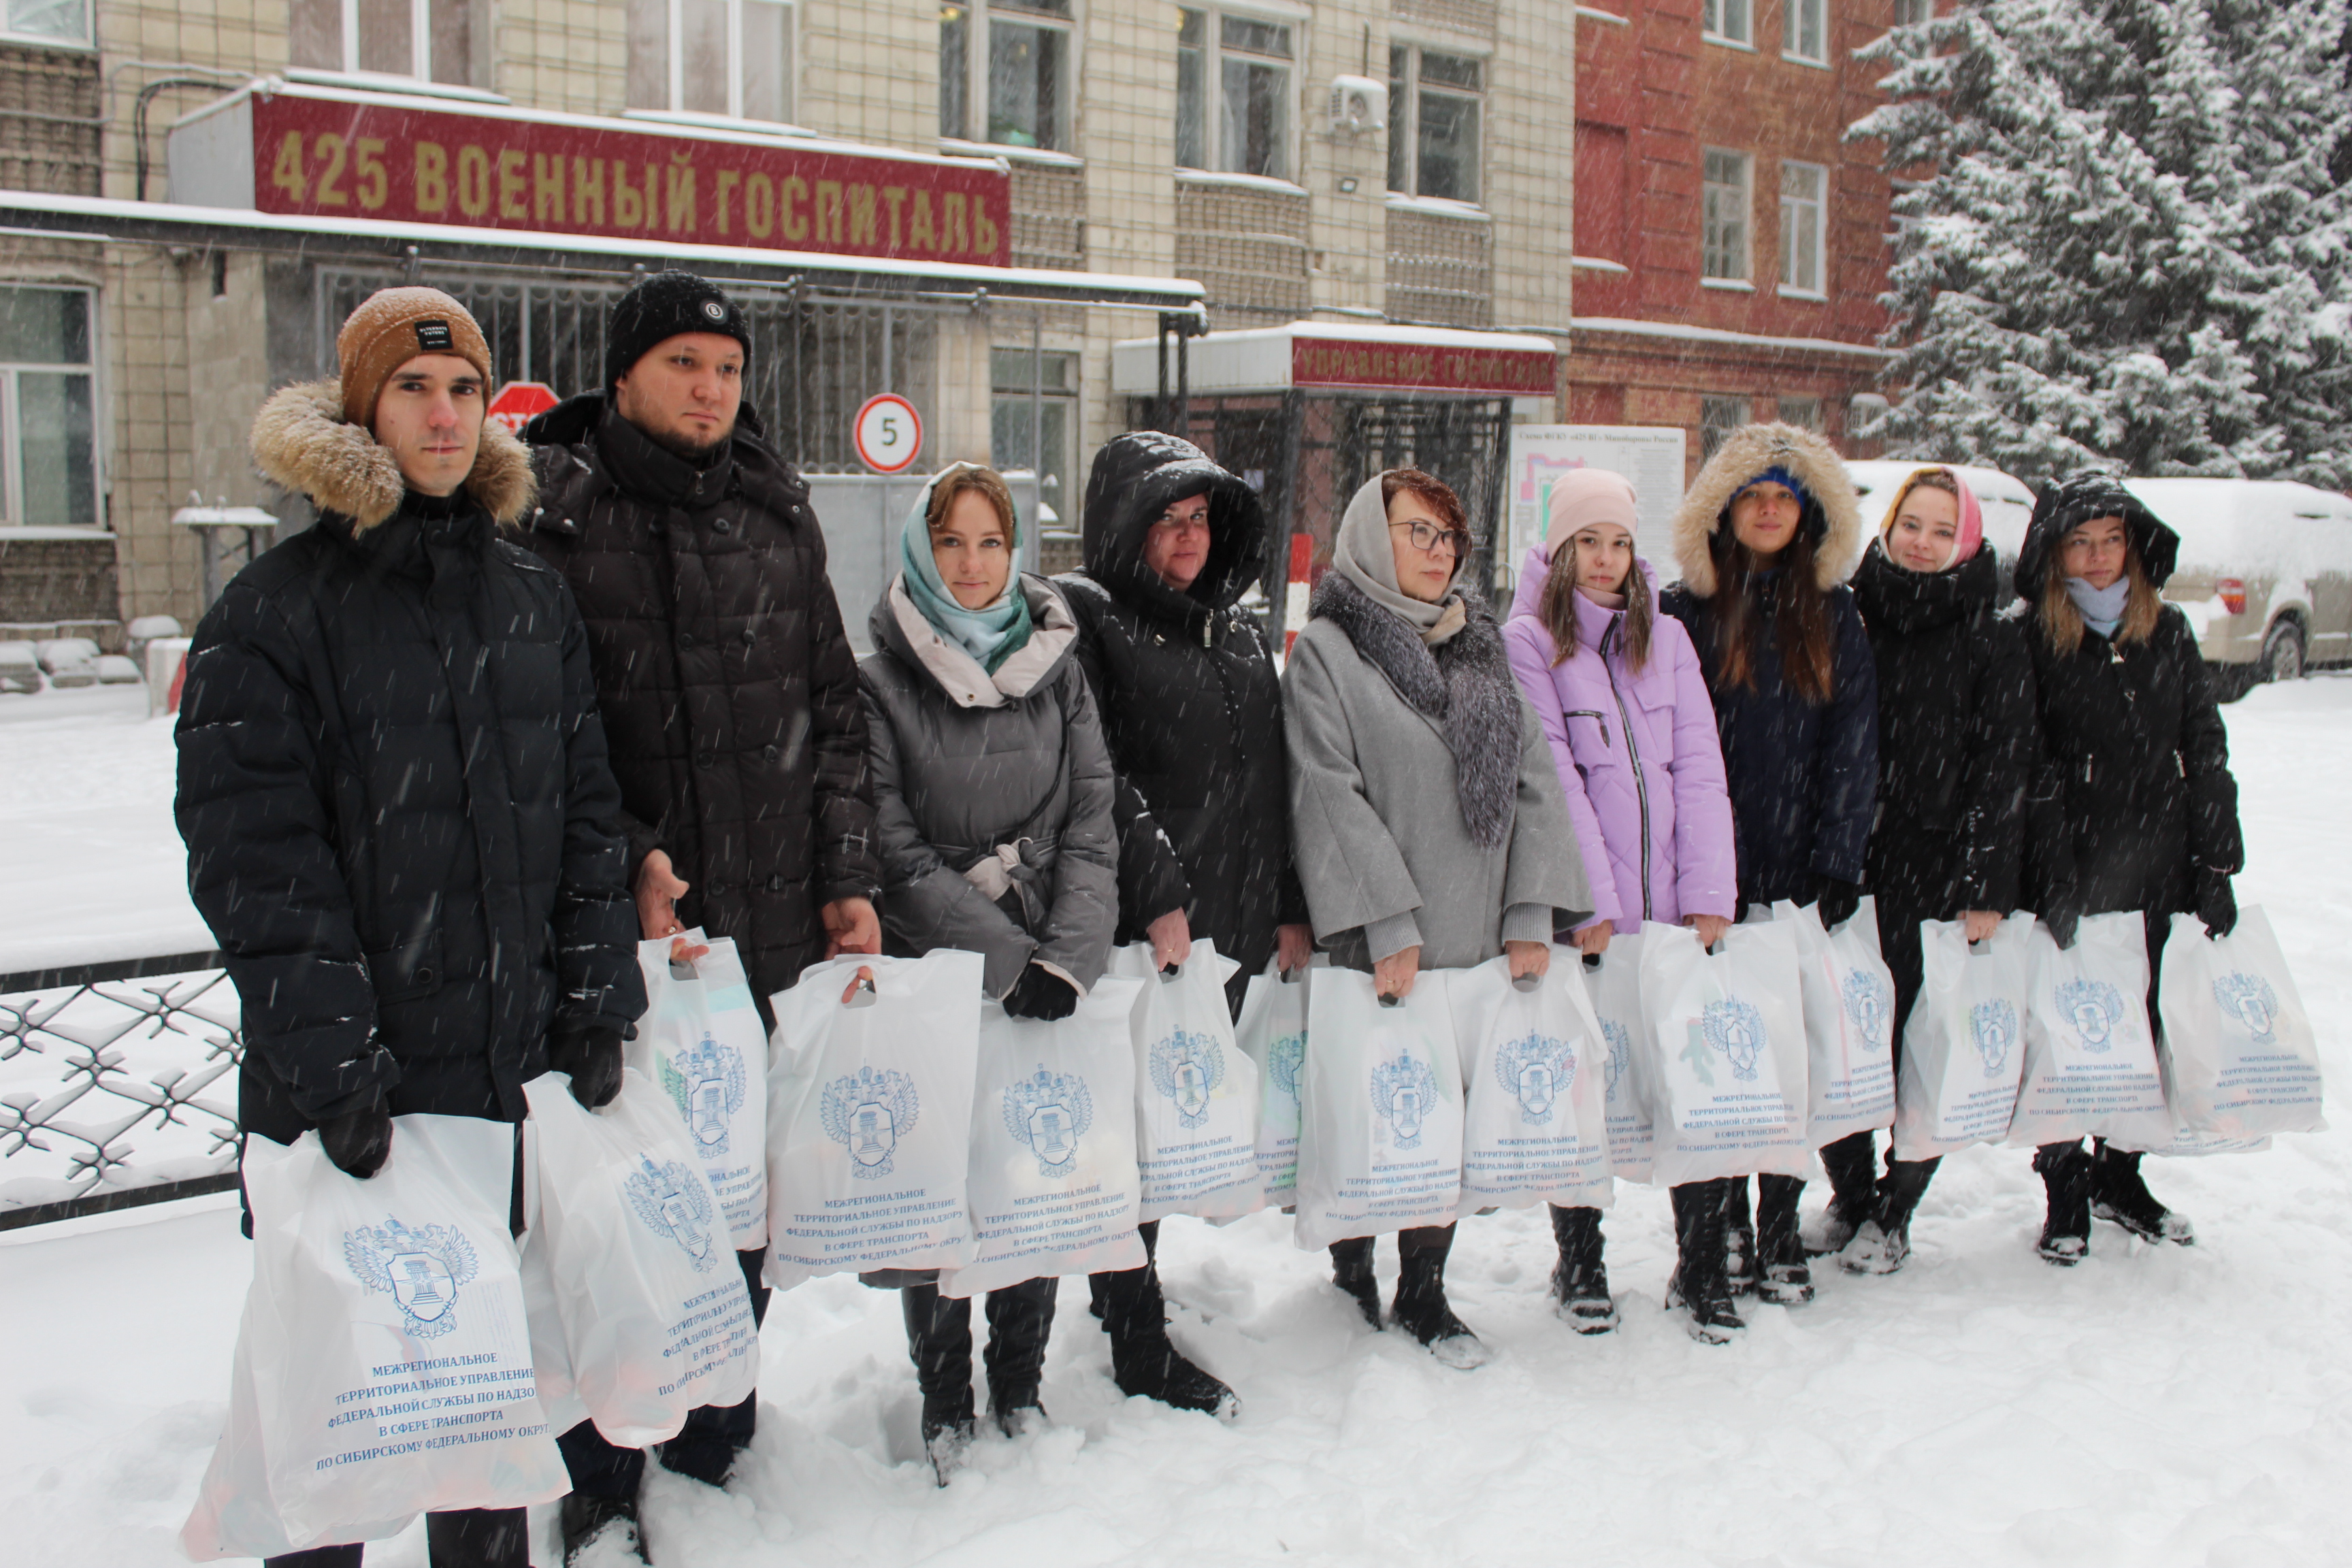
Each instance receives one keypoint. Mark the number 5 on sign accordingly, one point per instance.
(887, 433)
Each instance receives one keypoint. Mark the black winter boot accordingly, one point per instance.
(609, 1523)
(2066, 1177)
(1884, 1241)
(1420, 1308)
(1851, 1163)
(1738, 1235)
(1580, 1280)
(1783, 1277)
(1699, 1285)
(1352, 1270)
(1020, 1320)
(2120, 1196)
(939, 1341)
(1142, 1359)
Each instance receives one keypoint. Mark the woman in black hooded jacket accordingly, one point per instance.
(1955, 746)
(2142, 812)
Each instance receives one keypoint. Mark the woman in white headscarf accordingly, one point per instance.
(1429, 828)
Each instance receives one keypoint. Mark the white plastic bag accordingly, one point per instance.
(1196, 1100)
(1053, 1185)
(1379, 1145)
(383, 1365)
(655, 1317)
(869, 1109)
(1614, 984)
(2089, 1055)
(1964, 1047)
(2239, 1056)
(702, 1044)
(1272, 1032)
(1534, 1069)
(1849, 996)
(1728, 1043)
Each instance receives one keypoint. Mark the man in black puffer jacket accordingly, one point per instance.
(1191, 710)
(730, 697)
(394, 789)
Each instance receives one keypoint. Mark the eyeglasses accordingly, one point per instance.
(1428, 538)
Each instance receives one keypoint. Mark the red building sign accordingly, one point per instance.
(1341, 362)
(349, 156)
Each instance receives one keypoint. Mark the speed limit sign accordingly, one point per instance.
(887, 433)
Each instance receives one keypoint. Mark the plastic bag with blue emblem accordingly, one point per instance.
(1534, 1124)
(1272, 1032)
(1196, 1095)
(1380, 1144)
(2238, 1053)
(655, 1317)
(1727, 1053)
(1848, 1000)
(2090, 1052)
(869, 1116)
(1612, 982)
(384, 1366)
(1964, 1044)
(701, 1044)
(1055, 1188)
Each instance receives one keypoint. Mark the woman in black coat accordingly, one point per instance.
(2142, 812)
(1956, 743)
(1764, 539)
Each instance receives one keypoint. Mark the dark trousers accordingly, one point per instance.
(939, 1341)
(475, 1537)
(704, 1450)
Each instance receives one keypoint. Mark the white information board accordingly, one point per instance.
(1651, 456)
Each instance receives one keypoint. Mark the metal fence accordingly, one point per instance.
(117, 1086)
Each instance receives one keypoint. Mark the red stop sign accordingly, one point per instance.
(518, 401)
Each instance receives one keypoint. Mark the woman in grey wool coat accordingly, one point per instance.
(993, 804)
(1429, 827)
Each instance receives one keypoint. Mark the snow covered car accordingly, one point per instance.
(2265, 574)
(2007, 503)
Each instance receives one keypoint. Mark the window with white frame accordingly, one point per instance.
(1804, 192)
(1717, 418)
(1908, 13)
(1805, 30)
(1804, 413)
(1724, 214)
(1435, 104)
(424, 40)
(1018, 440)
(46, 21)
(1730, 21)
(1233, 94)
(732, 58)
(49, 443)
(1004, 72)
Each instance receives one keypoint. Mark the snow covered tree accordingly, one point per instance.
(2124, 242)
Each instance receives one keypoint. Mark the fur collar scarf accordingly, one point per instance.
(1835, 519)
(301, 443)
(1463, 686)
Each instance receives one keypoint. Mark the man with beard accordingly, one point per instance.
(729, 698)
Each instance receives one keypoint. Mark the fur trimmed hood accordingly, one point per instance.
(1833, 519)
(302, 443)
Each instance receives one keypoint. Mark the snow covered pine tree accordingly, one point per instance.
(2127, 246)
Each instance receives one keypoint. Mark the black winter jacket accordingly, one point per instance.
(394, 790)
(729, 689)
(1957, 739)
(2136, 761)
(1190, 703)
(1803, 777)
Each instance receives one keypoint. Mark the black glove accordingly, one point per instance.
(1836, 902)
(2216, 905)
(358, 1142)
(592, 1057)
(2060, 920)
(1042, 994)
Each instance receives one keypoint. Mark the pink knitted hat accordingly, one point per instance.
(1582, 497)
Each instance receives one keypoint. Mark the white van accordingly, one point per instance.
(2265, 574)
(2005, 503)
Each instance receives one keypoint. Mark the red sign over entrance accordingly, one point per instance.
(347, 157)
(1345, 361)
(519, 400)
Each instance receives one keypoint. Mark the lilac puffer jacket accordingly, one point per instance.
(1638, 758)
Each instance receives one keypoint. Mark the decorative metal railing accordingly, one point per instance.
(117, 1086)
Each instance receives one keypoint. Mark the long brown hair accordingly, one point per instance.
(1557, 609)
(2064, 623)
(1801, 616)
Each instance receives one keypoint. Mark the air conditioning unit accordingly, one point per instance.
(1359, 103)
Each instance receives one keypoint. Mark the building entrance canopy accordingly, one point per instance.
(1348, 357)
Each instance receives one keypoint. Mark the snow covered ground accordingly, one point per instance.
(2150, 1408)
